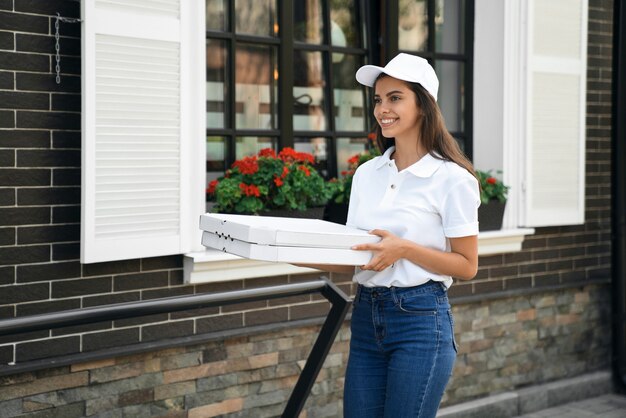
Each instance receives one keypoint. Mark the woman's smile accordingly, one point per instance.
(386, 122)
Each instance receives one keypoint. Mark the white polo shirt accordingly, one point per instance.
(427, 203)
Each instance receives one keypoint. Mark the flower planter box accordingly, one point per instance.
(290, 240)
(310, 213)
(336, 212)
(490, 215)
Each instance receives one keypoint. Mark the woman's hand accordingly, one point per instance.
(385, 252)
(461, 262)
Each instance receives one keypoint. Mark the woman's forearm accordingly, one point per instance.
(441, 262)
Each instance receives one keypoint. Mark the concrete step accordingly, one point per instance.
(534, 398)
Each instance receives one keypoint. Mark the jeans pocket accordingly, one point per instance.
(451, 317)
(420, 304)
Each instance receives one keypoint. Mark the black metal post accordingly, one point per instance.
(618, 209)
(340, 305)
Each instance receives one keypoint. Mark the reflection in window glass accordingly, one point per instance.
(449, 26)
(246, 146)
(215, 153)
(343, 23)
(348, 94)
(216, 15)
(413, 25)
(256, 17)
(215, 83)
(309, 107)
(451, 95)
(308, 21)
(256, 87)
(346, 148)
(318, 148)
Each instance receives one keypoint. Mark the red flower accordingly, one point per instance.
(305, 157)
(492, 180)
(278, 181)
(247, 165)
(306, 170)
(289, 154)
(267, 152)
(249, 190)
(212, 186)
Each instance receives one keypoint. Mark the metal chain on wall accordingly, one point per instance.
(57, 43)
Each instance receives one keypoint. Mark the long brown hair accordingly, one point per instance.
(433, 132)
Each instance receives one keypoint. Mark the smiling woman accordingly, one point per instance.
(421, 197)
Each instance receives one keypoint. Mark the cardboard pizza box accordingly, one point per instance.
(284, 254)
(291, 240)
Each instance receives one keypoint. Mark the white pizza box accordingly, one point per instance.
(286, 254)
(290, 240)
(290, 232)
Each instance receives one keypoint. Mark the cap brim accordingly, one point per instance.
(368, 74)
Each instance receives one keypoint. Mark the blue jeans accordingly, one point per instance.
(402, 351)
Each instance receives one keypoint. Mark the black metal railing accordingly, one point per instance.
(340, 303)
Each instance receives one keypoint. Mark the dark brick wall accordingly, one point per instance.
(40, 270)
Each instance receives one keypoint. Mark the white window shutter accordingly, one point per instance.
(554, 178)
(142, 69)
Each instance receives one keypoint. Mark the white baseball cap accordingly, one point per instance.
(403, 67)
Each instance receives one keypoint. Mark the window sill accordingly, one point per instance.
(216, 266)
(502, 241)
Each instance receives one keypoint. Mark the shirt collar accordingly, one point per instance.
(425, 167)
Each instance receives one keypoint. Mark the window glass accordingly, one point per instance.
(256, 87)
(344, 30)
(346, 148)
(309, 106)
(216, 15)
(413, 25)
(215, 153)
(451, 95)
(449, 26)
(256, 17)
(348, 94)
(308, 21)
(250, 145)
(215, 83)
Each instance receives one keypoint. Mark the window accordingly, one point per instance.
(277, 82)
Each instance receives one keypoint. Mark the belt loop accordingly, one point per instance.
(394, 294)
